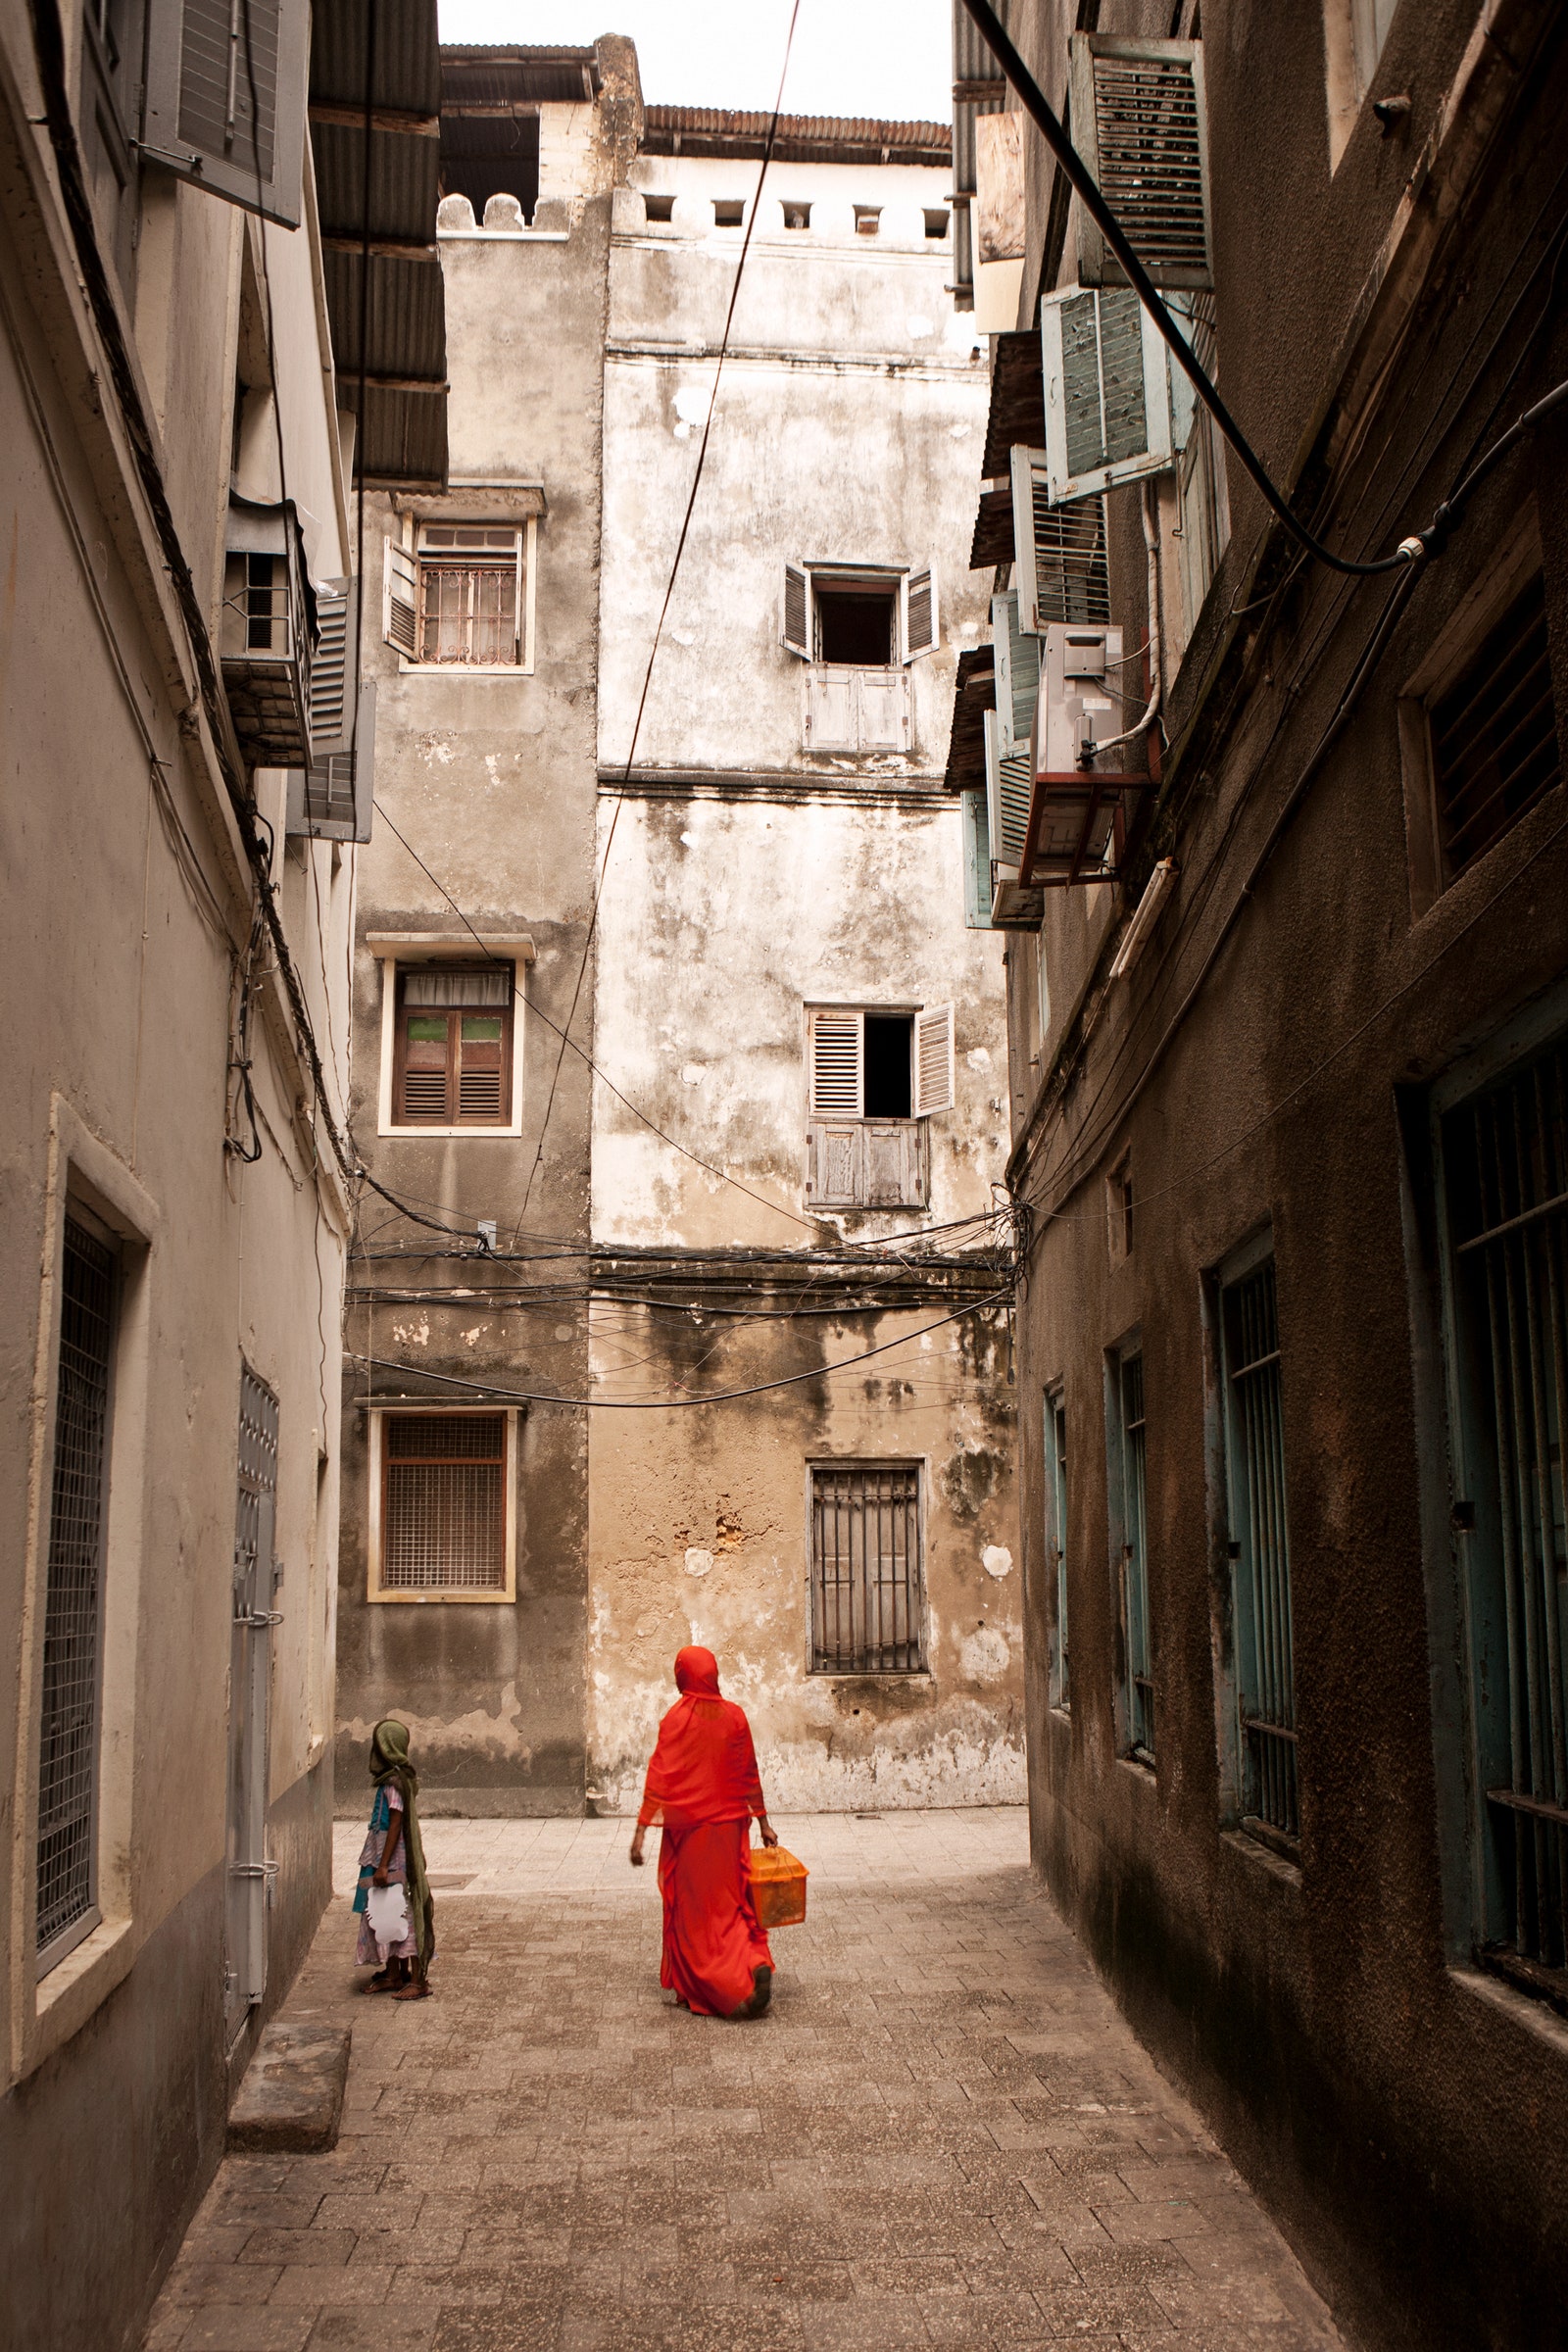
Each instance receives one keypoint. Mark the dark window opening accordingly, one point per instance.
(796, 216)
(490, 154)
(866, 219)
(856, 626)
(728, 212)
(888, 1041)
(660, 208)
(1494, 735)
(936, 223)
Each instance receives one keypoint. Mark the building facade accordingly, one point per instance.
(463, 1590)
(1287, 1012)
(800, 1105)
(181, 806)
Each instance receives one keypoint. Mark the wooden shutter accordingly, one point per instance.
(332, 798)
(832, 711)
(795, 632)
(423, 1079)
(976, 861)
(838, 1058)
(1018, 665)
(1009, 783)
(1108, 392)
(934, 1061)
(921, 627)
(1138, 121)
(400, 599)
(454, 1048)
(199, 122)
(884, 718)
(895, 1164)
(835, 1153)
(1061, 567)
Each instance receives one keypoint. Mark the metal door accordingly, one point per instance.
(248, 1889)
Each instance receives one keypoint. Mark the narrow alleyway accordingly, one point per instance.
(942, 2134)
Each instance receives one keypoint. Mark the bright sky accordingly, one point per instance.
(886, 58)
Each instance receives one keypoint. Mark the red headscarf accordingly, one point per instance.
(705, 1766)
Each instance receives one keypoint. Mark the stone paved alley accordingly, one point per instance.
(942, 2134)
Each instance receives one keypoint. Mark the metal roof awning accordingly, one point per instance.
(976, 695)
(1016, 416)
(375, 77)
(801, 138)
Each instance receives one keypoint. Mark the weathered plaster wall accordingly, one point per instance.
(700, 1534)
(492, 782)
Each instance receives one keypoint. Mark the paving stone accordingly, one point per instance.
(292, 2094)
(942, 2134)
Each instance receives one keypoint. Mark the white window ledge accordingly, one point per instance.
(463, 670)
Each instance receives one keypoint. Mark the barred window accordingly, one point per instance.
(471, 594)
(867, 1569)
(1494, 734)
(444, 1503)
(1128, 1470)
(68, 1726)
(1260, 1552)
(1057, 1539)
(1505, 1158)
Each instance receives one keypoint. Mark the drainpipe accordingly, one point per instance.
(1156, 655)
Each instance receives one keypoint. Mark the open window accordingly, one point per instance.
(849, 618)
(224, 103)
(875, 1077)
(462, 598)
(1139, 121)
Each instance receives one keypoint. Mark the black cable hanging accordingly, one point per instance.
(1420, 546)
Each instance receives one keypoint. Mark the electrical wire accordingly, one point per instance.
(665, 1404)
(669, 590)
(1419, 545)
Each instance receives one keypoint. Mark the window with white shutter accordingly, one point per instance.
(1017, 671)
(224, 104)
(859, 631)
(874, 1079)
(1060, 568)
(1010, 779)
(1107, 391)
(976, 860)
(400, 599)
(461, 599)
(794, 630)
(1139, 121)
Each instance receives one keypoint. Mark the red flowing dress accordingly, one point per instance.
(702, 1786)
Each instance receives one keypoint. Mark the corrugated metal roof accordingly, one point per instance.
(403, 428)
(485, 74)
(974, 696)
(801, 138)
(993, 530)
(1017, 412)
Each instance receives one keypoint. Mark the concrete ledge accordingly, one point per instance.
(292, 2094)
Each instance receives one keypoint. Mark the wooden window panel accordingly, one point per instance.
(452, 1064)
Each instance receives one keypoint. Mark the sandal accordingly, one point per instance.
(762, 1994)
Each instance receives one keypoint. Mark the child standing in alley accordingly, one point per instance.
(399, 1937)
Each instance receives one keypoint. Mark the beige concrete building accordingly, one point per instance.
(183, 784)
(802, 1100)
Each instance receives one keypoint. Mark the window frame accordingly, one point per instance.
(1135, 1714)
(458, 1013)
(1515, 560)
(919, 1465)
(1054, 1418)
(820, 1120)
(475, 517)
(461, 1595)
(396, 951)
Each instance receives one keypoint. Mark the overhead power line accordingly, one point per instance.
(1419, 546)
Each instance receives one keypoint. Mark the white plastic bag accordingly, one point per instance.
(388, 1910)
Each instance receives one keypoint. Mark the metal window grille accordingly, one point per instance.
(1508, 1153)
(444, 1502)
(1056, 1473)
(1135, 1561)
(1494, 735)
(1260, 1536)
(867, 1571)
(67, 1747)
(1072, 567)
(471, 594)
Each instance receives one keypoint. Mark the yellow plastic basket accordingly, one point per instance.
(778, 1886)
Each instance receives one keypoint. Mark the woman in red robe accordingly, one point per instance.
(703, 1786)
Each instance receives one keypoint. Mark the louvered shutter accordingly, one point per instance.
(203, 58)
(1017, 660)
(400, 599)
(330, 797)
(1138, 121)
(1009, 782)
(976, 861)
(934, 1060)
(1108, 392)
(921, 630)
(1060, 565)
(837, 1065)
(795, 632)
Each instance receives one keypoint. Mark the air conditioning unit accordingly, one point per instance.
(267, 633)
(1079, 814)
(1082, 700)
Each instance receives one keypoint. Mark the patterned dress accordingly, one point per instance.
(368, 1952)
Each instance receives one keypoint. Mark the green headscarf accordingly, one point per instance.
(390, 1761)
